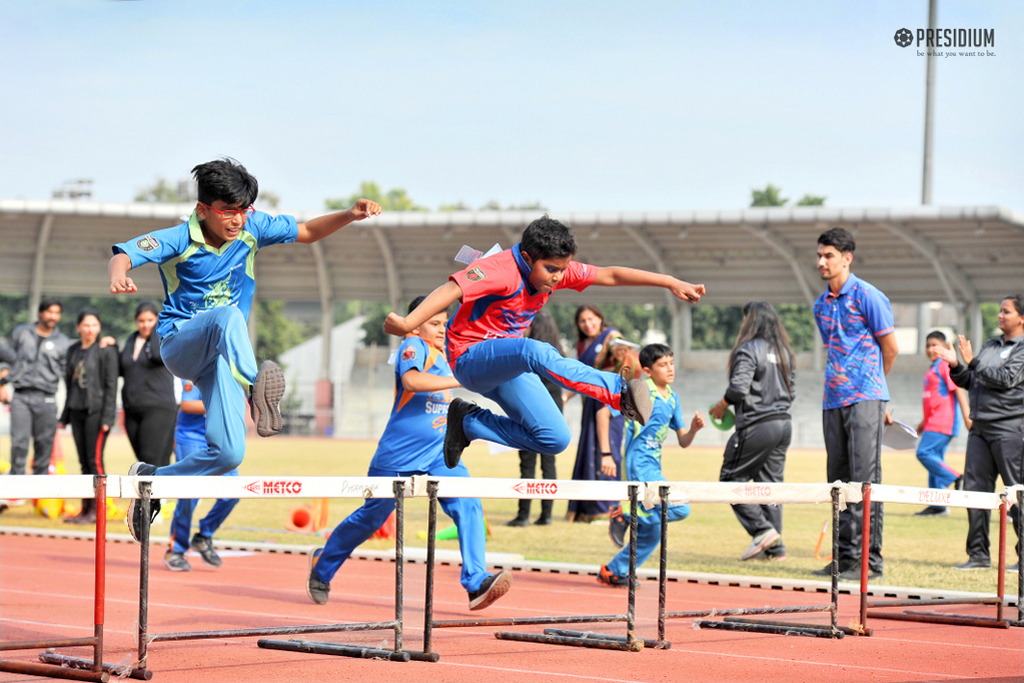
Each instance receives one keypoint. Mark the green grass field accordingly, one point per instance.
(918, 551)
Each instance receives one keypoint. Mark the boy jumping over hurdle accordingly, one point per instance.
(206, 265)
(499, 297)
(411, 444)
(643, 462)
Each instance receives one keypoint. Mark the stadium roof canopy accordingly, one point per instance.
(959, 254)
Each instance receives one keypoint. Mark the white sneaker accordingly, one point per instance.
(761, 542)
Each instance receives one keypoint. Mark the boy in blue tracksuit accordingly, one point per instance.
(190, 438)
(412, 444)
(207, 268)
(643, 462)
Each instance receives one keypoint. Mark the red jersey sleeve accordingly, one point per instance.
(578, 276)
(944, 372)
(485, 276)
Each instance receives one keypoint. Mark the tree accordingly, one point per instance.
(811, 200)
(769, 196)
(276, 333)
(395, 200)
(161, 192)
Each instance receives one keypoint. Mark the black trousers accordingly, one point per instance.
(528, 470)
(33, 418)
(758, 453)
(993, 449)
(853, 441)
(151, 434)
(90, 440)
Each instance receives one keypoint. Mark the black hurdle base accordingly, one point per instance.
(80, 663)
(596, 641)
(756, 627)
(341, 650)
(648, 642)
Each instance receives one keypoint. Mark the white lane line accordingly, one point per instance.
(542, 673)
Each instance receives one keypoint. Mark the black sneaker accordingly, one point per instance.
(606, 578)
(176, 562)
(854, 575)
(933, 511)
(636, 401)
(518, 521)
(204, 546)
(492, 588)
(974, 563)
(958, 485)
(265, 401)
(317, 590)
(824, 571)
(1014, 567)
(455, 440)
(617, 526)
(134, 517)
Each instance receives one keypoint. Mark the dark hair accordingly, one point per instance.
(936, 334)
(227, 180)
(1018, 302)
(583, 309)
(48, 301)
(548, 238)
(85, 313)
(652, 353)
(761, 322)
(840, 238)
(545, 329)
(414, 304)
(146, 307)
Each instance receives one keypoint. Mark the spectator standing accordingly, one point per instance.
(147, 396)
(856, 324)
(42, 353)
(90, 407)
(995, 445)
(762, 379)
(543, 328)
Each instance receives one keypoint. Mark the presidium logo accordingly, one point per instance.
(948, 37)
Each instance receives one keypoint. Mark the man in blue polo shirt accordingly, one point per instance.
(207, 268)
(856, 324)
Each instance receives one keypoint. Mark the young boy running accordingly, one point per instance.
(190, 437)
(499, 296)
(206, 265)
(944, 404)
(643, 462)
(411, 444)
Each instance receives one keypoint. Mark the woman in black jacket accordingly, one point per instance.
(762, 379)
(90, 407)
(147, 396)
(995, 445)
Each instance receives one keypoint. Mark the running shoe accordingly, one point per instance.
(933, 511)
(134, 517)
(492, 588)
(204, 546)
(455, 440)
(617, 526)
(606, 578)
(265, 400)
(636, 401)
(761, 542)
(176, 562)
(974, 563)
(317, 590)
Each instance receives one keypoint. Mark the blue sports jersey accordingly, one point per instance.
(850, 324)
(191, 426)
(414, 436)
(643, 443)
(198, 277)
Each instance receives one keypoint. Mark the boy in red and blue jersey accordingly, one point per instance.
(944, 404)
(488, 353)
(411, 445)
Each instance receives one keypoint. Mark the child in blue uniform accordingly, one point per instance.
(643, 462)
(207, 268)
(189, 438)
(411, 444)
(499, 297)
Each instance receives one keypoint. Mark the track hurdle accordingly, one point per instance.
(964, 499)
(54, 665)
(146, 488)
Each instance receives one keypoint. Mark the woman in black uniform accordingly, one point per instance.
(995, 445)
(91, 404)
(762, 378)
(147, 396)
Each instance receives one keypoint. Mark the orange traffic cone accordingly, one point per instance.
(387, 529)
(304, 518)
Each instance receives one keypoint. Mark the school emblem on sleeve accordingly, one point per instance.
(409, 353)
(147, 243)
(475, 274)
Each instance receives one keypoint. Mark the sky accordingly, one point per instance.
(582, 106)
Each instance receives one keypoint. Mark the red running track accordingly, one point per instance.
(46, 591)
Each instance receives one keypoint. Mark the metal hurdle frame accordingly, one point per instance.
(61, 666)
(398, 654)
(935, 617)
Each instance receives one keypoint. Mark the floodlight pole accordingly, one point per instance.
(929, 108)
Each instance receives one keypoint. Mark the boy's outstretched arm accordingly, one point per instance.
(322, 226)
(686, 436)
(438, 300)
(619, 276)
(117, 271)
